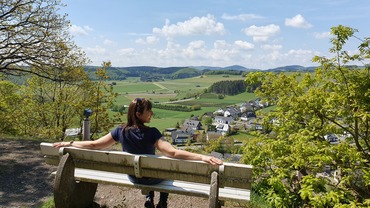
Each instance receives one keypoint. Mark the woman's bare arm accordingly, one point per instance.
(168, 150)
(101, 143)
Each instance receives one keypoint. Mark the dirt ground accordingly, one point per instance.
(25, 181)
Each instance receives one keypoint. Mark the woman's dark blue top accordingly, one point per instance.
(135, 140)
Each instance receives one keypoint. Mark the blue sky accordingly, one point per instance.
(251, 33)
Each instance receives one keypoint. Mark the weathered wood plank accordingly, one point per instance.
(213, 193)
(173, 186)
(234, 175)
(182, 176)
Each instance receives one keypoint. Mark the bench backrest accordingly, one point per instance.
(230, 174)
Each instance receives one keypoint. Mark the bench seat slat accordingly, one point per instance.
(183, 177)
(172, 186)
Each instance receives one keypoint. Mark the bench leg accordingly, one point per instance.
(67, 192)
(213, 193)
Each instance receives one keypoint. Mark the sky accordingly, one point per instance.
(251, 33)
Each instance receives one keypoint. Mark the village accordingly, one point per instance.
(225, 121)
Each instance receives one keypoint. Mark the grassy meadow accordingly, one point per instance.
(176, 90)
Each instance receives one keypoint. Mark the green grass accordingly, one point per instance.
(241, 136)
(165, 91)
(48, 204)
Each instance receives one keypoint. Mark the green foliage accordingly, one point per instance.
(101, 100)
(215, 145)
(48, 108)
(230, 72)
(9, 104)
(185, 73)
(290, 163)
(45, 108)
(48, 204)
(196, 107)
(175, 107)
(146, 73)
(37, 40)
(228, 87)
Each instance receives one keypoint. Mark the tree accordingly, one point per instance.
(49, 107)
(102, 100)
(9, 101)
(334, 99)
(34, 39)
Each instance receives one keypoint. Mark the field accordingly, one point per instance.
(178, 92)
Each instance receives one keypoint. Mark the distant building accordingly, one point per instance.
(223, 120)
(219, 112)
(191, 124)
(223, 129)
(213, 135)
(232, 112)
(168, 131)
(248, 116)
(72, 132)
(180, 137)
(246, 106)
(216, 155)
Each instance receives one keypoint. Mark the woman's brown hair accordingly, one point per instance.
(137, 105)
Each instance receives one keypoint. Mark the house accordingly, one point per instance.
(180, 137)
(259, 127)
(246, 106)
(168, 131)
(72, 132)
(191, 124)
(247, 116)
(223, 129)
(235, 158)
(232, 112)
(260, 104)
(223, 120)
(213, 135)
(219, 112)
(216, 155)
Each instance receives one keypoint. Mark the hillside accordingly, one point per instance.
(152, 73)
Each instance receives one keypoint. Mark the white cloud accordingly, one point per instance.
(279, 58)
(297, 21)
(77, 30)
(196, 49)
(271, 47)
(148, 40)
(262, 33)
(108, 42)
(220, 44)
(300, 52)
(96, 50)
(244, 44)
(321, 35)
(197, 44)
(126, 51)
(242, 17)
(194, 26)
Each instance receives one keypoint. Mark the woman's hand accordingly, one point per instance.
(211, 160)
(62, 144)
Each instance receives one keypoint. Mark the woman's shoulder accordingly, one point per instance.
(152, 129)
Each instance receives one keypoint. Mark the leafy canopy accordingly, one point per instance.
(295, 165)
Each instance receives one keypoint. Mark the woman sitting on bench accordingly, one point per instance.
(137, 138)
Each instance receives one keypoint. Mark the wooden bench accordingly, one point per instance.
(81, 170)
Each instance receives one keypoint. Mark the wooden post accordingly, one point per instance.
(68, 193)
(213, 193)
